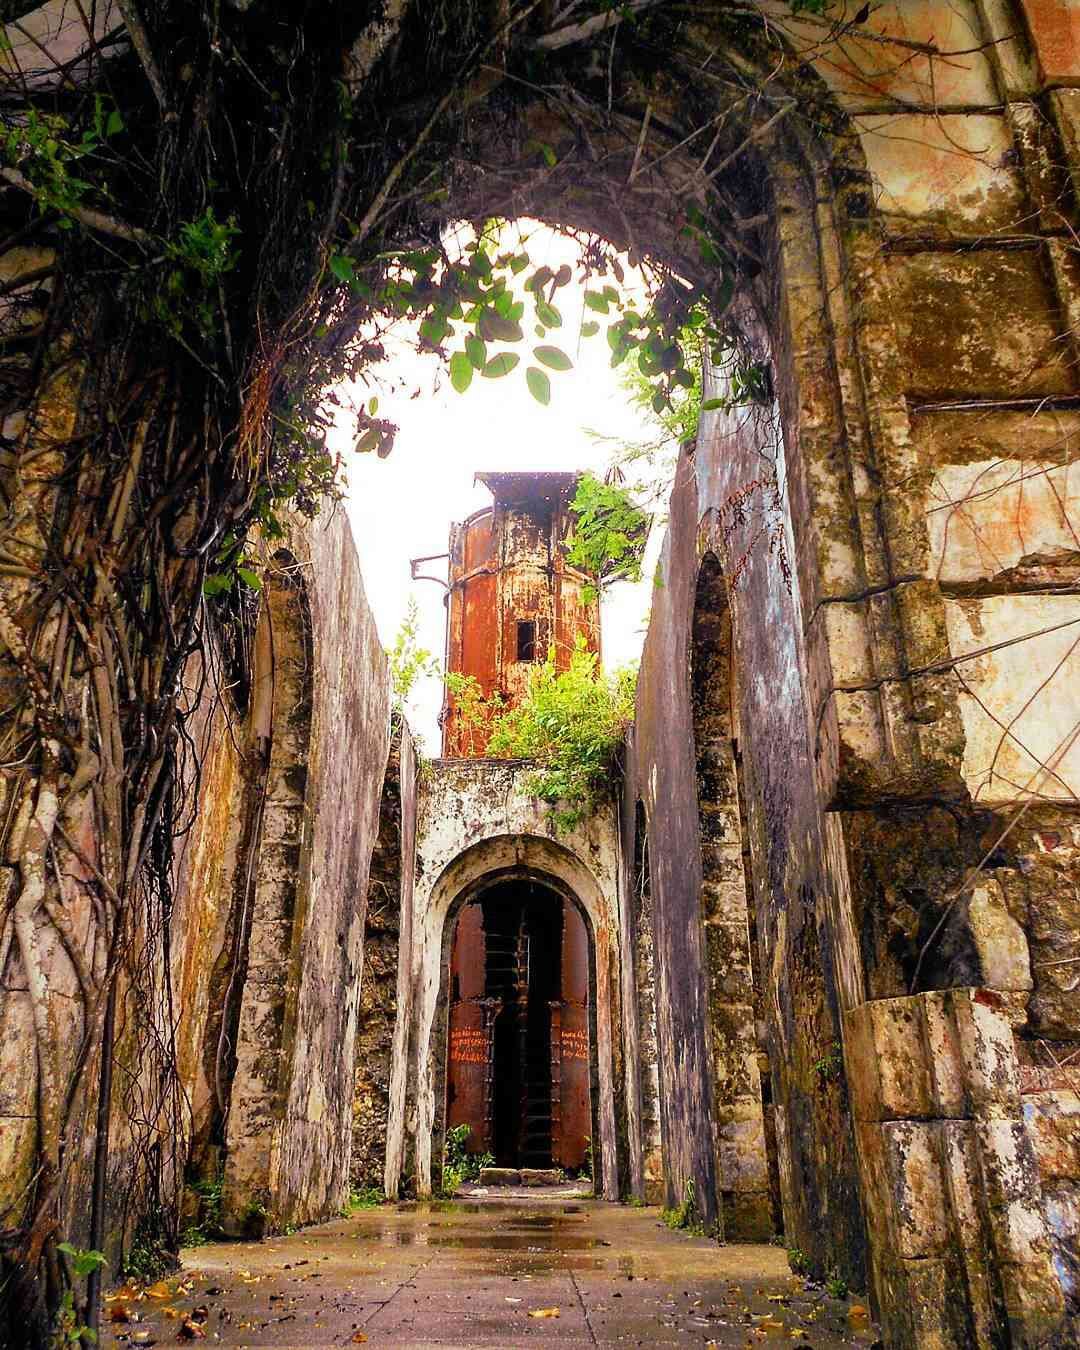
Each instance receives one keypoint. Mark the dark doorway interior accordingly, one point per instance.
(518, 1053)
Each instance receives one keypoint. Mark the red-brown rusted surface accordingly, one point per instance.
(570, 1047)
(518, 1055)
(469, 1045)
(508, 567)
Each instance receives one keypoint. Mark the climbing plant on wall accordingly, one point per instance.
(222, 206)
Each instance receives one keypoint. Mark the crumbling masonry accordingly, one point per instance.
(832, 905)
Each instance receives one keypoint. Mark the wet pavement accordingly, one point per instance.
(506, 1272)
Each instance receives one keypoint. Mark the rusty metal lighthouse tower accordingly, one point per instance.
(512, 593)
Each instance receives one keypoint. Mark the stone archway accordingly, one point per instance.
(437, 903)
(517, 1005)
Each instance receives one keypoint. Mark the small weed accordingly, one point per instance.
(836, 1286)
(458, 1164)
(637, 1202)
(682, 1218)
(830, 1066)
(364, 1197)
(68, 1329)
(798, 1261)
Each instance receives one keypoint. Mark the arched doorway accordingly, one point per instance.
(518, 1045)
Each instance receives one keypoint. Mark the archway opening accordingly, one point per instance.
(518, 1050)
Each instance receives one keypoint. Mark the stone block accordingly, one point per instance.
(723, 897)
(1034, 1303)
(740, 1134)
(734, 1042)
(943, 1048)
(917, 1187)
(942, 301)
(537, 1176)
(999, 940)
(499, 1176)
(727, 962)
(1003, 518)
(963, 1178)
(1061, 1207)
(747, 1216)
(936, 1315)
(1054, 26)
(922, 175)
(1053, 1122)
(888, 1074)
(1009, 1166)
(1018, 1232)
(856, 73)
(1019, 706)
(988, 1053)
(1065, 104)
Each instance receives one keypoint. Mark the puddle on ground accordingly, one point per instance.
(527, 1242)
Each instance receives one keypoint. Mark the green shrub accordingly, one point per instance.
(571, 723)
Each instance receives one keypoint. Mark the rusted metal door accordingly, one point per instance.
(469, 1053)
(570, 1075)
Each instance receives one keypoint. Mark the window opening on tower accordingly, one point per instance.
(526, 640)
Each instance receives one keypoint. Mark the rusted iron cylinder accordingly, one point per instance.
(513, 596)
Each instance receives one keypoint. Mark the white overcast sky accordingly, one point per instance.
(402, 507)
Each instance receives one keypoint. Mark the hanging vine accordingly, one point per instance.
(209, 216)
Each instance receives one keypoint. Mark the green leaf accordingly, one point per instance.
(539, 385)
(519, 262)
(342, 267)
(590, 329)
(461, 370)
(539, 279)
(553, 358)
(367, 442)
(494, 328)
(373, 406)
(114, 123)
(249, 578)
(476, 351)
(711, 404)
(215, 584)
(500, 365)
(548, 315)
(595, 301)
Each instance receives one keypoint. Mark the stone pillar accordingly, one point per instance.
(959, 1244)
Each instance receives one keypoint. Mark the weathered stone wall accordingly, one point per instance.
(476, 820)
(273, 894)
(378, 985)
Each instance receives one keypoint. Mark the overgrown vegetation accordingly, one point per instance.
(409, 662)
(207, 1194)
(684, 1217)
(364, 1197)
(459, 1165)
(609, 532)
(230, 203)
(571, 723)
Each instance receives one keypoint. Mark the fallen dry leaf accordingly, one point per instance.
(544, 1312)
(119, 1312)
(359, 1338)
(162, 1289)
(190, 1331)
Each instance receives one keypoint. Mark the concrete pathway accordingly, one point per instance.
(542, 1270)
